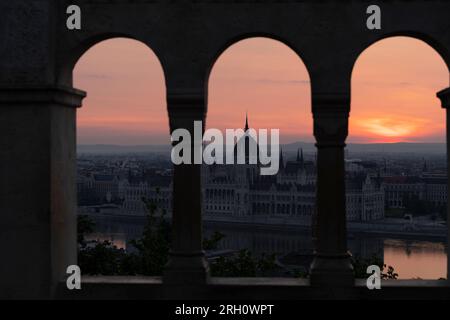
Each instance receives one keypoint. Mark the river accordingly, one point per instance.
(424, 258)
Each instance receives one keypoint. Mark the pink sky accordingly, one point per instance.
(393, 93)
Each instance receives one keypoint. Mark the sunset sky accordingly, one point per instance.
(394, 89)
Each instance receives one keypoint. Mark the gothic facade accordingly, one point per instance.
(240, 193)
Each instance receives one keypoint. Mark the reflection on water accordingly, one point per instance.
(416, 259)
(411, 259)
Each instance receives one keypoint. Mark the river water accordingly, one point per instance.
(422, 258)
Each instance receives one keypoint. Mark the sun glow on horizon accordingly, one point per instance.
(394, 87)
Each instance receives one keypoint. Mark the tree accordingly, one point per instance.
(100, 258)
(360, 268)
(244, 264)
(85, 226)
(154, 245)
(152, 252)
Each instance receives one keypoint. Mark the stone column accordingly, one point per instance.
(331, 265)
(37, 188)
(444, 96)
(187, 264)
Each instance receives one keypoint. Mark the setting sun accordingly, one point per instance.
(394, 87)
(389, 128)
(395, 129)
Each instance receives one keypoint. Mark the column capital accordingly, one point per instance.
(36, 95)
(186, 99)
(325, 102)
(330, 112)
(185, 95)
(444, 96)
(185, 107)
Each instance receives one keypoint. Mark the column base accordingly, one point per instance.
(186, 269)
(332, 271)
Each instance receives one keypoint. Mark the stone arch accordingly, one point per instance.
(91, 44)
(75, 53)
(227, 44)
(282, 45)
(432, 45)
(436, 45)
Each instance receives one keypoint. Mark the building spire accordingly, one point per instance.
(425, 167)
(281, 159)
(246, 122)
(298, 155)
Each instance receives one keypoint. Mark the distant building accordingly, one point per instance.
(96, 189)
(239, 191)
(436, 189)
(85, 191)
(398, 188)
(431, 188)
(151, 187)
(364, 198)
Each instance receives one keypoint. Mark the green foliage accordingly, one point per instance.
(154, 245)
(244, 264)
(360, 268)
(389, 274)
(100, 258)
(300, 273)
(85, 226)
(103, 258)
(152, 252)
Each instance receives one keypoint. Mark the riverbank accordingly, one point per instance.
(421, 230)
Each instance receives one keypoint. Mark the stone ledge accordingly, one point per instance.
(152, 288)
(214, 281)
(413, 283)
(121, 280)
(37, 95)
(444, 96)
